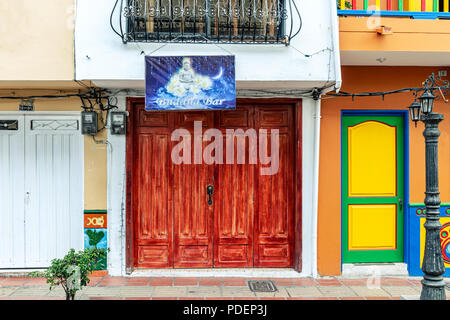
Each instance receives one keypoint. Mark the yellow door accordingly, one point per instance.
(372, 189)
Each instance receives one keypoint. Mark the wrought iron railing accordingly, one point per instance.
(417, 9)
(202, 21)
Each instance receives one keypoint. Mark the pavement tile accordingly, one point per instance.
(281, 293)
(305, 282)
(235, 291)
(164, 298)
(386, 281)
(108, 283)
(116, 278)
(354, 282)
(94, 281)
(369, 292)
(304, 291)
(236, 283)
(14, 282)
(31, 291)
(169, 292)
(397, 291)
(185, 282)
(284, 282)
(138, 279)
(210, 282)
(136, 284)
(329, 282)
(137, 298)
(218, 298)
(191, 298)
(208, 291)
(102, 291)
(7, 291)
(377, 298)
(161, 281)
(52, 298)
(415, 282)
(142, 291)
(352, 298)
(272, 298)
(106, 298)
(336, 291)
(36, 282)
(245, 298)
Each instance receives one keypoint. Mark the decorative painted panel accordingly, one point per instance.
(416, 238)
(95, 233)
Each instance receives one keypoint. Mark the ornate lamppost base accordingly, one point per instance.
(433, 286)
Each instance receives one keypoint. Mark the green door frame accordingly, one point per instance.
(367, 256)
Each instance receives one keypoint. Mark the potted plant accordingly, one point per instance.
(72, 271)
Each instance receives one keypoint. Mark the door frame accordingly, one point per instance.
(297, 250)
(406, 220)
(70, 114)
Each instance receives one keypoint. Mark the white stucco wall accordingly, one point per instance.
(102, 57)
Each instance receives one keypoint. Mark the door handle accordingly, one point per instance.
(210, 191)
(400, 203)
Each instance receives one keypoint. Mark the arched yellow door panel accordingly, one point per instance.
(372, 160)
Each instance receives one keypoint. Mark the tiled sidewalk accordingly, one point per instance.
(155, 288)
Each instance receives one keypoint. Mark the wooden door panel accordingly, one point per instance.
(152, 190)
(233, 245)
(250, 222)
(193, 216)
(274, 202)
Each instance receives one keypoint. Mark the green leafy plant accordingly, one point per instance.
(72, 271)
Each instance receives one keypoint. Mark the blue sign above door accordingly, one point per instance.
(190, 83)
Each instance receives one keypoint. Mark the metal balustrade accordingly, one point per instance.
(202, 21)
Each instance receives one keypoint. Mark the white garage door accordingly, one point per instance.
(41, 176)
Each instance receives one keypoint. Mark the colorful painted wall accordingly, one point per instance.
(37, 40)
(369, 79)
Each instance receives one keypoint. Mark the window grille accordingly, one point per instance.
(223, 21)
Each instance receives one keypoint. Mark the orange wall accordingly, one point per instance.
(412, 35)
(369, 79)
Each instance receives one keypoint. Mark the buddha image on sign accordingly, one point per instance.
(186, 81)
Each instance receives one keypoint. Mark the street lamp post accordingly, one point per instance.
(433, 286)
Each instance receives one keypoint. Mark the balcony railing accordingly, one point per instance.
(416, 9)
(202, 21)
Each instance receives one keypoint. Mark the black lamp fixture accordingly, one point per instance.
(433, 286)
(427, 102)
(414, 111)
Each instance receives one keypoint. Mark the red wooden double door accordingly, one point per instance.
(249, 221)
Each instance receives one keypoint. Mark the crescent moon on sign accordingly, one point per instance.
(219, 75)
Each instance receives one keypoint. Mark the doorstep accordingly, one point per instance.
(220, 272)
(350, 270)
